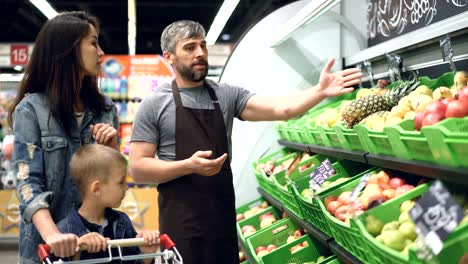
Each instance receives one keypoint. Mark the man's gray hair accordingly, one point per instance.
(181, 29)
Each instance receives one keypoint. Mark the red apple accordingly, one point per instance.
(436, 107)
(463, 94)
(295, 248)
(271, 247)
(457, 108)
(264, 205)
(332, 206)
(305, 244)
(418, 120)
(260, 248)
(396, 182)
(343, 213)
(402, 189)
(446, 101)
(432, 118)
(265, 215)
(297, 234)
(247, 227)
(239, 217)
(343, 198)
(329, 199)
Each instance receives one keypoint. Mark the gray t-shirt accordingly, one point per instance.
(155, 119)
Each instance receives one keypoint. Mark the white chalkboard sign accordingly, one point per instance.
(387, 19)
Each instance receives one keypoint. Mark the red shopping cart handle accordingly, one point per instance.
(43, 250)
(166, 241)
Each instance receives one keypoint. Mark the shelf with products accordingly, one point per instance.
(321, 237)
(449, 174)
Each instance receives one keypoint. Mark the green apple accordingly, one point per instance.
(408, 229)
(407, 205)
(374, 225)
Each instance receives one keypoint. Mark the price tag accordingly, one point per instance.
(321, 173)
(436, 214)
(395, 66)
(19, 54)
(362, 183)
(447, 51)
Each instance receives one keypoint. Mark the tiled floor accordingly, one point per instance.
(9, 253)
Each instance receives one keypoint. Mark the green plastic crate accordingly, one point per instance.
(277, 234)
(375, 142)
(286, 196)
(266, 183)
(283, 255)
(243, 208)
(448, 141)
(270, 181)
(349, 138)
(311, 209)
(387, 212)
(408, 143)
(330, 137)
(280, 129)
(255, 221)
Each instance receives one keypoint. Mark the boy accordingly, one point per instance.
(99, 173)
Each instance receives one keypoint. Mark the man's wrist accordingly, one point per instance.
(318, 91)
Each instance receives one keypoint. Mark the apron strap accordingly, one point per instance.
(211, 92)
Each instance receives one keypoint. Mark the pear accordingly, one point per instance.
(442, 93)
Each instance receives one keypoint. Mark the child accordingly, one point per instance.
(99, 173)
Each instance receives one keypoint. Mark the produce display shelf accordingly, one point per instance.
(449, 174)
(249, 257)
(358, 156)
(342, 253)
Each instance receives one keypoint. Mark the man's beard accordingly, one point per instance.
(190, 73)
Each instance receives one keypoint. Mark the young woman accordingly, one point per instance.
(58, 108)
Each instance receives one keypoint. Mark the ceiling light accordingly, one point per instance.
(18, 68)
(220, 20)
(45, 8)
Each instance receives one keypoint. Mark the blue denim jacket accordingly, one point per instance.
(122, 228)
(41, 156)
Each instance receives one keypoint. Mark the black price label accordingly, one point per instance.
(436, 214)
(322, 173)
(395, 66)
(447, 50)
(362, 183)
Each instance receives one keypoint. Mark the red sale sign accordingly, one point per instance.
(19, 54)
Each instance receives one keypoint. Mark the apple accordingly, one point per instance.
(457, 108)
(432, 118)
(267, 222)
(248, 232)
(396, 182)
(389, 194)
(297, 234)
(463, 94)
(246, 227)
(305, 244)
(343, 198)
(260, 166)
(248, 213)
(269, 167)
(418, 120)
(255, 209)
(332, 206)
(239, 217)
(303, 168)
(271, 247)
(278, 169)
(264, 205)
(436, 107)
(329, 199)
(402, 189)
(260, 248)
(290, 239)
(262, 253)
(266, 215)
(343, 213)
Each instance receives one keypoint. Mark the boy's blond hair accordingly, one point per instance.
(94, 162)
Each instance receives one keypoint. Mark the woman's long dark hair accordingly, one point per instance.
(56, 69)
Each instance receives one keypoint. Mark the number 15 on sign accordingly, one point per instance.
(19, 54)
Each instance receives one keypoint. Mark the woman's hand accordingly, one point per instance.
(105, 134)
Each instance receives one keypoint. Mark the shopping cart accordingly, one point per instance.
(170, 252)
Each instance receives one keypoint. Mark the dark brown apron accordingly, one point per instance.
(198, 212)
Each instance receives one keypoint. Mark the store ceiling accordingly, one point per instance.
(20, 21)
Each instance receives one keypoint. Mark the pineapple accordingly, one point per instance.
(363, 107)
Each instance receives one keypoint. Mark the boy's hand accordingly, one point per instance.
(104, 134)
(94, 242)
(151, 238)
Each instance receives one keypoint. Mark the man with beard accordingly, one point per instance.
(188, 125)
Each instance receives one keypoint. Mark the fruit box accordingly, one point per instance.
(245, 207)
(330, 137)
(281, 130)
(348, 235)
(255, 221)
(386, 212)
(348, 138)
(408, 143)
(286, 197)
(265, 182)
(448, 141)
(277, 234)
(375, 142)
(311, 210)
